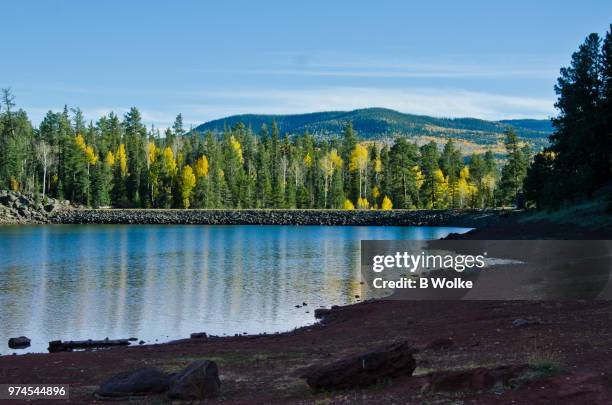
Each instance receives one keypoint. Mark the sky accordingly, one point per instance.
(208, 60)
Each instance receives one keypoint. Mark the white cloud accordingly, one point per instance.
(204, 106)
(440, 103)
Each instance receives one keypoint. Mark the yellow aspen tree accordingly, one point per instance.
(463, 187)
(362, 203)
(440, 190)
(151, 153)
(169, 162)
(330, 162)
(387, 204)
(80, 141)
(348, 205)
(122, 160)
(110, 159)
(201, 166)
(237, 148)
(188, 182)
(91, 156)
(375, 192)
(378, 166)
(359, 164)
(308, 160)
(418, 176)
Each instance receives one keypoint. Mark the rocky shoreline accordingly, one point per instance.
(278, 217)
(20, 208)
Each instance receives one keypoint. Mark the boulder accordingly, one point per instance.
(199, 335)
(363, 370)
(146, 381)
(198, 380)
(20, 342)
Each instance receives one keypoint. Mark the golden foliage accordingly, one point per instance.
(363, 204)
(110, 159)
(378, 165)
(122, 159)
(330, 162)
(375, 192)
(151, 153)
(201, 166)
(90, 155)
(188, 182)
(418, 176)
(168, 161)
(348, 205)
(308, 160)
(237, 148)
(387, 204)
(440, 189)
(359, 158)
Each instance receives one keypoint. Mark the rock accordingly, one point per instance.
(198, 380)
(65, 214)
(20, 342)
(321, 312)
(440, 344)
(199, 335)
(476, 379)
(363, 370)
(146, 381)
(528, 321)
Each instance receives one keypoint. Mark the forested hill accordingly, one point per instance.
(381, 123)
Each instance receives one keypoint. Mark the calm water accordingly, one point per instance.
(164, 282)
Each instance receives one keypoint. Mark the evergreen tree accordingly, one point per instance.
(514, 170)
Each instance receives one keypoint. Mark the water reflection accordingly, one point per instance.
(164, 282)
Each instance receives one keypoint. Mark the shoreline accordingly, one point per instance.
(458, 218)
(477, 335)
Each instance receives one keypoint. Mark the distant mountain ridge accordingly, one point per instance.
(382, 123)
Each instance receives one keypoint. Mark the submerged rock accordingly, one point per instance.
(198, 380)
(20, 342)
(199, 335)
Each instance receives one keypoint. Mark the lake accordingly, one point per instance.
(160, 283)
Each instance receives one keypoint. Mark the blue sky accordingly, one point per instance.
(211, 59)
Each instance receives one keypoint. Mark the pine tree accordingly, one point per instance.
(514, 170)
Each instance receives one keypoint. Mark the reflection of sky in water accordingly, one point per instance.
(164, 282)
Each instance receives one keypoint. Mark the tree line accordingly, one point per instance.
(579, 158)
(119, 162)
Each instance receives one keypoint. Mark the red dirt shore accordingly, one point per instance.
(575, 336)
